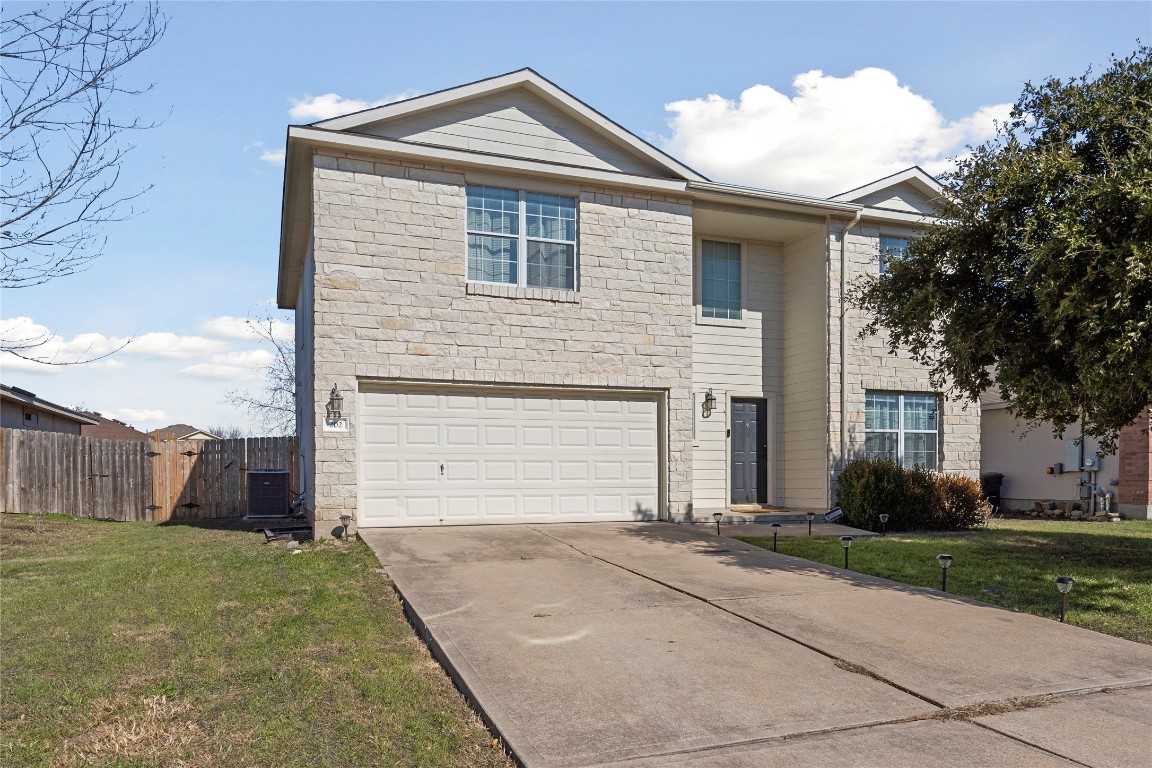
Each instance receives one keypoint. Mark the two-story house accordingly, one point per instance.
(511, 309)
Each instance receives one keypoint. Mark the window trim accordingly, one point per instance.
(907, 238)
(522, 239)
(698, 282)
(900, 431)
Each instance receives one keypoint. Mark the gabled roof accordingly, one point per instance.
(110, 429)
(528, 80)
(15, 394)
(180, 432)
(916, 177)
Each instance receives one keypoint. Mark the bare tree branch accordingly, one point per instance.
(61, 146)
(274, 407)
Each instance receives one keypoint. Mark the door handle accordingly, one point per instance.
(441, 469)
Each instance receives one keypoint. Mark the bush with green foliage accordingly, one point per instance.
(868, 488)
(915, 499)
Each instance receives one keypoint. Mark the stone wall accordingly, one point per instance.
(391, 303)
(871, 367)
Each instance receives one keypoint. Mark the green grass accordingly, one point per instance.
(1014, 563)
(132, 644)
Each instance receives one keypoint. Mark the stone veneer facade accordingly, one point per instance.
(870, 366)
(392, 304)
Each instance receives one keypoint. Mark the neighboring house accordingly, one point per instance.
(21, 409)
(1039, 467)
(110, 429)
(532, 315)
(181, 432)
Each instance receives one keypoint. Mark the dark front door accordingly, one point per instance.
(749, 451)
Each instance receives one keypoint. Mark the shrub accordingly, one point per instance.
(868, 488)
(915, 499)
(920, 511)
(960, 503)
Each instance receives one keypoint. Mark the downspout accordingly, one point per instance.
(844, 342)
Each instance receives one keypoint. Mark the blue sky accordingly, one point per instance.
(801, 94)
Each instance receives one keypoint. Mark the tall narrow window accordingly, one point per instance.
(891, 248)
(521, 238)
(902, 427)
(720, 280)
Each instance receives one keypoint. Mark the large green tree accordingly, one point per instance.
(1037, 281)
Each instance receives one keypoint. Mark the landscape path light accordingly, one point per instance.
(1064, 584)
(717, 516)
(883, 523)
(811, 517)
(945, 561)
(775, 530)
(345, 520)
(845, 541)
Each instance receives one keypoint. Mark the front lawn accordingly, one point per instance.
(132, 644)
(1014, 563)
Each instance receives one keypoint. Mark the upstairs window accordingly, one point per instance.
(521, 238)
(891, 248)
(902, 427)
(720, 280)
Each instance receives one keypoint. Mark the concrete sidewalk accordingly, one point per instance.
(655, 644)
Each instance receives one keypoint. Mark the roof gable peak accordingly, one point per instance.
(537, 86)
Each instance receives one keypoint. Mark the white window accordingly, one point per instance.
(521, 238)
(891, 248)
(902, 427)
(720, 280)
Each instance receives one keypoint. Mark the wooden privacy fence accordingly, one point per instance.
(126, 480)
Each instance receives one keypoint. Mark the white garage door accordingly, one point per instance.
(467, 456)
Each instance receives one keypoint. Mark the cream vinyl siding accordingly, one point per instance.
(902, 197)
(805, 372)
(741, 360)
(514, 124)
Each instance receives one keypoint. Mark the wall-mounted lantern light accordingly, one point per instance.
(709, 404)
(335, 405)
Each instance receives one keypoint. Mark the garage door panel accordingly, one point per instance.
(452, 457)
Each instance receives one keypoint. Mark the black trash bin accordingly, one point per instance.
(990, 484)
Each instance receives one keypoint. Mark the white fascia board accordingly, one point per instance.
(469, 159)
(525, 78)
(915, 175)
(780, 201)
(882, 216)
(295, 220)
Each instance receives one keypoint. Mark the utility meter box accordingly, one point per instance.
(1091, 461)
(1073, 456)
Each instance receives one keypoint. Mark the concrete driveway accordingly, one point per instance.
(655, 644)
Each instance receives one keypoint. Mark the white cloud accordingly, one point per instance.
(240, 328)
(233, 366)
(137, 415)
(273, 156)
(328, 105)
(51, 347)
(834, 134)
